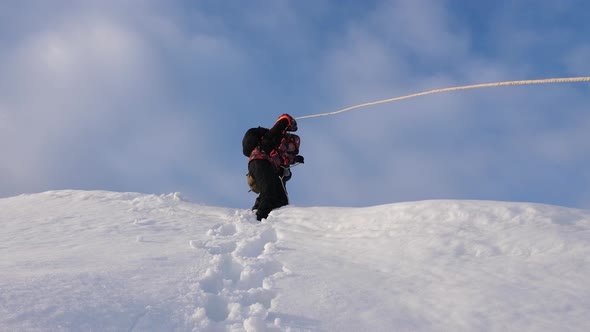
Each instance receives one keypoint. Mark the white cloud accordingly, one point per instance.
(148, 95)
(450, 145)
(422, 28)
(76, 92)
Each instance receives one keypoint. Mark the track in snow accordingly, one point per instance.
(236, 291)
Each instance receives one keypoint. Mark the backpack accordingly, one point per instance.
(251, 139)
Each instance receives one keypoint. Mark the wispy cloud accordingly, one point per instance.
(154, 97)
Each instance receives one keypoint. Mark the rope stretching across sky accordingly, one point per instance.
(464, 87)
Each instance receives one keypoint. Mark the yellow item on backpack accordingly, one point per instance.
(252, 183)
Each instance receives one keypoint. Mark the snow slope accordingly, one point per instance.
(105, 261)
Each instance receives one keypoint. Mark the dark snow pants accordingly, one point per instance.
(272, 194)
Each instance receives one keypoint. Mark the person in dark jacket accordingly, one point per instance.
(269, 163)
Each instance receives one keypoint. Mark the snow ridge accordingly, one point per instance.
(236, 290)
(98, 261)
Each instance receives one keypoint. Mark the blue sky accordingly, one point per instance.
(154, 97)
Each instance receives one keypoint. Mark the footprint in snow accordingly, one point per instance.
(256, 246)
(222, 230)
(237, 287)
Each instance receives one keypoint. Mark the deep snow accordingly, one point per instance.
(105, 261)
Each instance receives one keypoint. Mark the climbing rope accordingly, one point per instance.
(456, 88)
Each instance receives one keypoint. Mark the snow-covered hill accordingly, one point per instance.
(104, 261)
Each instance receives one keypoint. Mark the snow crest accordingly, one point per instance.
(105, 261)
